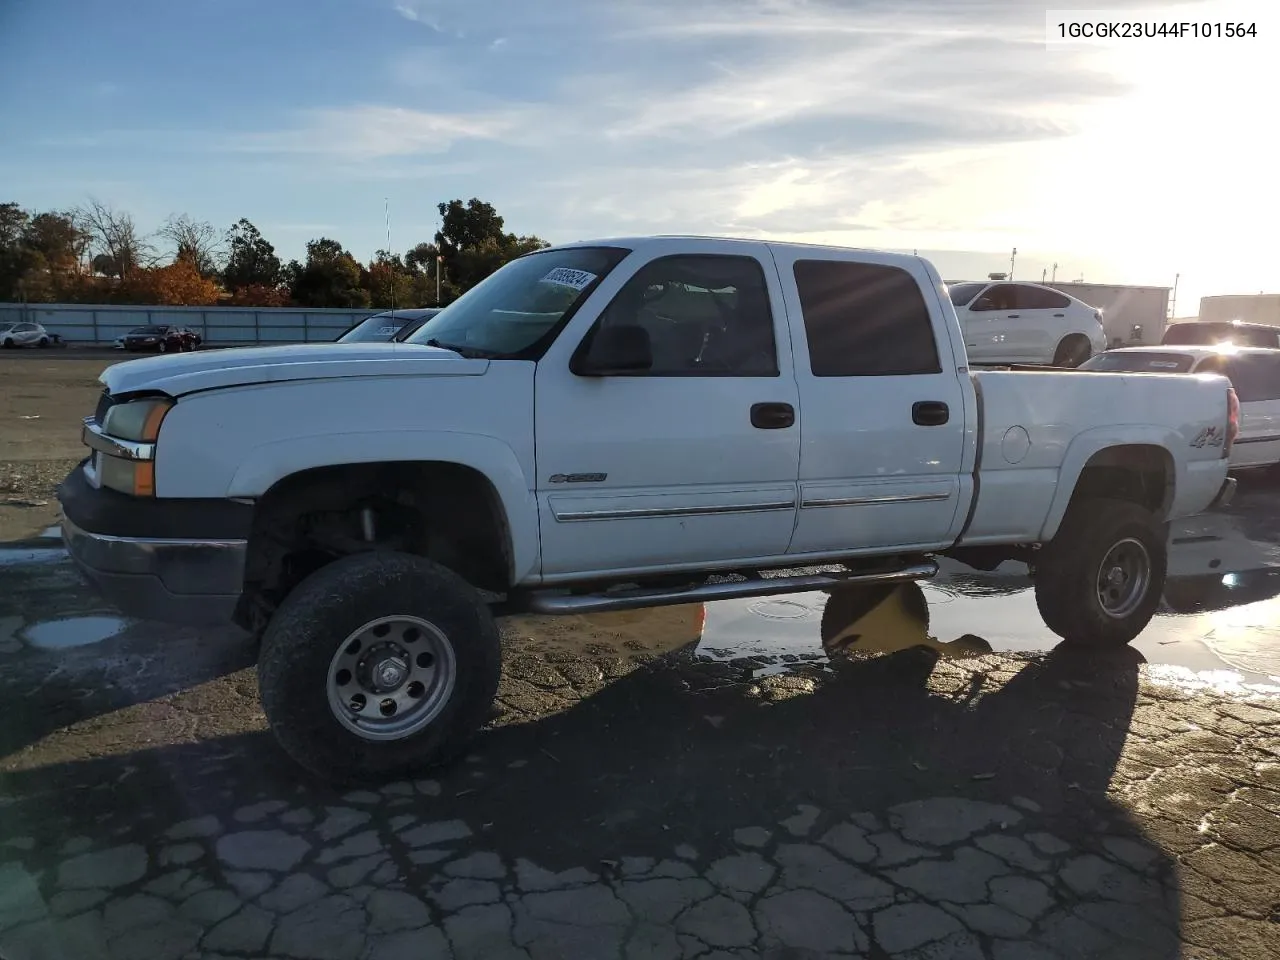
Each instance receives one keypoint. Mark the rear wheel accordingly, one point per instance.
(378, 666)
(1099, 581)
(1072, 351)
(8, 343)
(44, 342)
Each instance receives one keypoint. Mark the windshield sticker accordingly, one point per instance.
(568, 277)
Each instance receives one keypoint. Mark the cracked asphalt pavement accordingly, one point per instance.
(632, 800)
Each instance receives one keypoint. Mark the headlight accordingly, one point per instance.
(137, 420)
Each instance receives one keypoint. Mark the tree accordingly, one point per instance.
(39, 255)
(473, 244)
(196, 241)
(331, 277)
(259, 295)
(114, 233)
(252, 261)
(177, 284)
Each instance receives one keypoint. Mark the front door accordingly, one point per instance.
(884, 417)
(692, 461)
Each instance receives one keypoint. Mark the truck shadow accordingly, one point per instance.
(1015, 757)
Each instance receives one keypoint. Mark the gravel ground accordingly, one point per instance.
(44, 395)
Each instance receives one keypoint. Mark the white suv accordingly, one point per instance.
(1006, 322)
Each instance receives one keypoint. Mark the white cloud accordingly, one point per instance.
(374, 131)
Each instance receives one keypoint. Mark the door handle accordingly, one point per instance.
(1059, 316)
(1014, 316)
(772, 416)
(930, 413)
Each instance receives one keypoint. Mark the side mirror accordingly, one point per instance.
(617, 349)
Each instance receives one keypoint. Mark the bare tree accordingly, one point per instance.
(196, 241)
(115, 235)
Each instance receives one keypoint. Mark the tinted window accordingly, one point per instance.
(1208, 334)
(962, 293)
(1255, 377)
(1116, 361)
(864, 320)
(1028, 297)
(999, 296)
(705, 316)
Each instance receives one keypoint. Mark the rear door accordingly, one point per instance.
(883, 419)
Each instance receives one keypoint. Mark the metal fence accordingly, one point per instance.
(101, 324)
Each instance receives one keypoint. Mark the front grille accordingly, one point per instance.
(105, 403)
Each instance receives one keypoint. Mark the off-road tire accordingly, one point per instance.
(318, 616)
(1069, 566)
(1072, 351)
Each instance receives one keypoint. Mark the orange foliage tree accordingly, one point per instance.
(260, 295)
(178, 285)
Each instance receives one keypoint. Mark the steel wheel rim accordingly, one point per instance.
(1123, 578)
(391, 677)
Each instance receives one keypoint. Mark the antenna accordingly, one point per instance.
(386, 205)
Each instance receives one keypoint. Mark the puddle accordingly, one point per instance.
(16, 556)
(72, 632)
(1218, 626)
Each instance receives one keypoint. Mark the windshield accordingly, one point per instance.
(515, 311)
(1211, 334)
(962, 293)
(1116, 361)
(379, 328)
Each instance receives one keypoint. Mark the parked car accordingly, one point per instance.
(24, 335)
(1208, 333)
(1006, 322)
(362, 508)
(161, 338)
(387, 326)
(1254, 372)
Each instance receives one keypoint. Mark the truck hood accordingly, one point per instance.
(180, 373)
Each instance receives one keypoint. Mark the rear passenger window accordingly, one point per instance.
(1255, 377)
(1038, 298)
(864, 320)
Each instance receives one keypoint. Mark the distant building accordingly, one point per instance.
(1129, 314)
(1249, 308)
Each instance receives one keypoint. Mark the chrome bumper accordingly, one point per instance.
(1225, 493)
(193, 582)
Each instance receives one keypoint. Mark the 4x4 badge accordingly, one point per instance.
(1209, 437)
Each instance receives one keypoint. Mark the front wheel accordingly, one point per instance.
(378, 666)
(8, 343)
(44, 342)
(1098, 582)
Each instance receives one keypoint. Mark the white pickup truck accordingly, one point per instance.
(607, 425)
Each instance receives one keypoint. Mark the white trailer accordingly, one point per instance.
(1126, 310)
(1247, 308)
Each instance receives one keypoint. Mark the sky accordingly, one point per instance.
(945, 126)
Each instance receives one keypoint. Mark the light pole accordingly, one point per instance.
(1012, 257)
(1055, 274)
(439, 262)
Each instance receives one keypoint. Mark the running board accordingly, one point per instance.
(637, 598)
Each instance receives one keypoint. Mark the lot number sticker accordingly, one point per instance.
(566, 277)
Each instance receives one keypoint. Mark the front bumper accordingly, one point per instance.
(168, 571)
